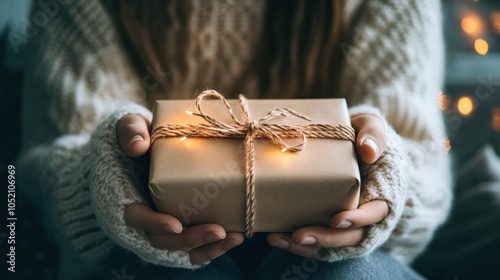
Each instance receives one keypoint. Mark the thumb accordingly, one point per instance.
(370, 139)
(132, 132)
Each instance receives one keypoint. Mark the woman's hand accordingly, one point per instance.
(132, 132)
(204, 242)
(370, 137)
(347, 228)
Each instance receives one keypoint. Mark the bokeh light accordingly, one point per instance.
(447, 145)
(444, 101)
(481, 46)
(495, 22)
(495, 118)
(465, 105)
(472, 25)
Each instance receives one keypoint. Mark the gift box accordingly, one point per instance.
(201, 172)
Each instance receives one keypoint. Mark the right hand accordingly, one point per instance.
(203, 242)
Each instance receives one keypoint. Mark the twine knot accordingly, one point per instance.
(249, 130)
(253, 126)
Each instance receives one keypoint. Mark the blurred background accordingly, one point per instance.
(470, 98)
(470, 101)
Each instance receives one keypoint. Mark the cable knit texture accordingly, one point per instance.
(394, 64)
(225, 31)
(81, 81)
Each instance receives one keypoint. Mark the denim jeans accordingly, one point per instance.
(378, 265)
(277, 264)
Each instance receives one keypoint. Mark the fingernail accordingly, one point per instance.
(370, 142)
(211, 237)
(228, 244)
(168, 229)
(344, 224)
(135, 138)
(309, 240)
(282, 244)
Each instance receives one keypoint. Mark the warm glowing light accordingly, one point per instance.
(444, 101)
(495, 118)
(472, 25)
(183, 138)
(495, 21)
(481, 46)
(284, 150)
(465, 105)
(189, 112)
(447, 145)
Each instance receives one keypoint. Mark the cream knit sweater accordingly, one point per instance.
(81, 81)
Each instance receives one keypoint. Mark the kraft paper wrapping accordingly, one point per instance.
(202, 180)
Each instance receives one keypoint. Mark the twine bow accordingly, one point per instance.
(249, 130)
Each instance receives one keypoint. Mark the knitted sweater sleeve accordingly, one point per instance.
(393, 69)
(79, 85)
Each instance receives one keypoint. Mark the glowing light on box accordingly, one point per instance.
(495, 118)
(444, 101)
(472, 25)
(495, 21)
(481, 46)
(465, 106)
(447, 145)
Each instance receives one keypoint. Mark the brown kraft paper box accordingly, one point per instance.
(202, 180)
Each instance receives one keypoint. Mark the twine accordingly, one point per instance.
(250, 130)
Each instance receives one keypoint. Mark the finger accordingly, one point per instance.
(327, 237)
(370, 139)
(284, 242)
(189, 238)
(279, 240)
(141, 217)
(367, 214)
(214, 250)
(133, 135)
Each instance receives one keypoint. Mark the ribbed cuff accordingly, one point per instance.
(66, 184)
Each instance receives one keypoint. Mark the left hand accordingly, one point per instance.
(347, 228)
